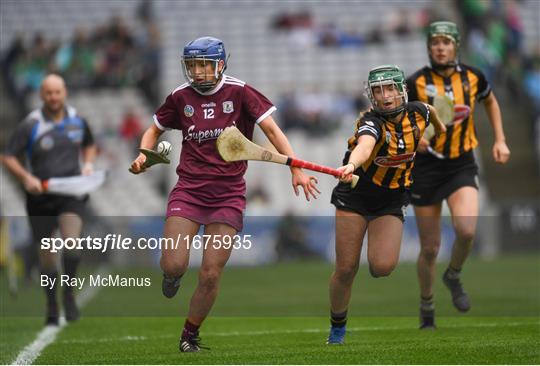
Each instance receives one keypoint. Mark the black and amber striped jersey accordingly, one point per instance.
(465, 87)
(392, 158)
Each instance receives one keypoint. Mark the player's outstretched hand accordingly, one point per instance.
(308, 183)
(88, 169)
(137, 166)
(346, 173)
(32, 184)
(501, 152)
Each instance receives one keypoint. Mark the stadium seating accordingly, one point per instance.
(271, 60)
(58, 19)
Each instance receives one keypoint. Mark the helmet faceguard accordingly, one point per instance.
(203, 51)
(387, 75)
(443, 29)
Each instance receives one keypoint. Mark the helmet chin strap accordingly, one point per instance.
(392, 112)
(441, 67)
(204, 86)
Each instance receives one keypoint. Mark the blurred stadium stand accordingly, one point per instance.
(58, 19)
(275, 61)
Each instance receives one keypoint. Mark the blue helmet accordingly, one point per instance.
(206, 49)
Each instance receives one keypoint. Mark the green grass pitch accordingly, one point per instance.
(278, 314)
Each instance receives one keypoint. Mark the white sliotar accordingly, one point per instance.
(164, 148)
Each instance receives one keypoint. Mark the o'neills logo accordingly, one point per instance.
(203, 135)
(393, 161)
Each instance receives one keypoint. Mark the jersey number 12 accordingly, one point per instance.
(208, 113)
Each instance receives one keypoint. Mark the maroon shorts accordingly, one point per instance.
(230, 211)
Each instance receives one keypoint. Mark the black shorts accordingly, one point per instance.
(369, 200)
(434, 179)
(43, 211)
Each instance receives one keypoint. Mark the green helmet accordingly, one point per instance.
(386, 75)
(443, 29)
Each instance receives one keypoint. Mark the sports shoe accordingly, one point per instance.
(52, 317)
(459, 298)
(191, 343)
(427, 319)
(170, 285)
(336, 336)
(70, 307)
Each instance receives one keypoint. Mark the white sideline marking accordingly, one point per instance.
(48, 334)
(45, 337)
(130, 338)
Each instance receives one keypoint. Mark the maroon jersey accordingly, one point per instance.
(202, 117)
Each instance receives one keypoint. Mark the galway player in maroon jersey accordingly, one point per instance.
(209, 191)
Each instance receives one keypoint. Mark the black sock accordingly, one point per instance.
(453, 273)
(338, 320)
(172, 278)
(50, 292)
(70, 268)
(426, 303)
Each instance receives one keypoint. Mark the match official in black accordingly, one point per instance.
(54, 141)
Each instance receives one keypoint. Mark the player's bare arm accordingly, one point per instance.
(359, 156)
(282, 145)
(148, 141)
(30, 182)
(88, 157)
(500, 151)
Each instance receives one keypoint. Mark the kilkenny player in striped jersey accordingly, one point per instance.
(445, 168)
(382, 153)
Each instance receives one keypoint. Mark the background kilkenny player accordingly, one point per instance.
(450, 171)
